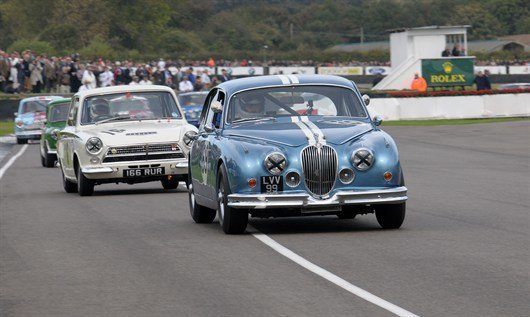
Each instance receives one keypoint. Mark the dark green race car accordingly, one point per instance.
(56, 115)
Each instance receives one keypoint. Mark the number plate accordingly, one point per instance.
(143, 172)
(271, 184)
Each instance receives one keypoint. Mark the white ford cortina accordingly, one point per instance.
(128, 134)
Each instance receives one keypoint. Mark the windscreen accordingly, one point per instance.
(34, 106)
(129, 106)
(295, 101)
(192, 99)
(59, 112)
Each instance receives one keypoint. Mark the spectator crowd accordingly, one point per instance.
(28, 72)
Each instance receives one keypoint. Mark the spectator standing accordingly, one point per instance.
(225, 76)
(211, 62)
(190, 75)
(86, 85)
(205, 78)
(145, 81)
(106, 78)
(185, 85)
(457, 51)
(36, 76)
(75, 82)
(198, 86)
(89, 77)
(446, 52)
(418, 83)
(4, 70)
(50, 72)
(482, 81)
(64, 80)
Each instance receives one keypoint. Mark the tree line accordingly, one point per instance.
(197, 29)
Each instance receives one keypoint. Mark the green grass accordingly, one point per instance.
(6, 127)
(450, 121)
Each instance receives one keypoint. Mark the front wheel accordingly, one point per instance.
(170, 183)
(22, 141)
(232, 221)
(68, 186)
(48, 160)
(390, 216)
(85, 186)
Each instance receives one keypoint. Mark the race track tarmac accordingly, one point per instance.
(134, 250)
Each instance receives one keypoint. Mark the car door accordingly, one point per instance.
(207, 148)
(66, 138)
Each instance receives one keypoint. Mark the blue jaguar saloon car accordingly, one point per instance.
(292, 145)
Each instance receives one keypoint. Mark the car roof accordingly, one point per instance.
(189, 93)
(40, 98)
(122, 89)
(59, 101)
(236, 85)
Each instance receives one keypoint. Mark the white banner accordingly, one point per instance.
(288, 70)
(344, 70)
(211, 70)
(517, 70)
(241, 71)
(493, 70)
(377, 70)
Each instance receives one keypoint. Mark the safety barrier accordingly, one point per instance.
(454, 107)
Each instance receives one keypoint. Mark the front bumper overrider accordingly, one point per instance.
(394, 195)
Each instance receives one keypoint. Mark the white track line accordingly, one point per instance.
(332, 277)
(4, 168)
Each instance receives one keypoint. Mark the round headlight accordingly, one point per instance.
(275, 163)
(363, 159)
(292, 179)
(54, 134)
(94, 145)
(346, 175)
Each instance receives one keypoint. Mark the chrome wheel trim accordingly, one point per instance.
(220, 197)
(192, 196)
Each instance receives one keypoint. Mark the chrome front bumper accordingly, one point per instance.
(115, 170)
(393, 195)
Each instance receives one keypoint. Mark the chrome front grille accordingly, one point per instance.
(320, 169)
(142, 152)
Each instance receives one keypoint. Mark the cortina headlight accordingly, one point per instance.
(275, 163)
(362, 159)
(54, 134)
(94, 145)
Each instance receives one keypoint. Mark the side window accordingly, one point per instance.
(72, 115)
(217, 117)
(206, 107)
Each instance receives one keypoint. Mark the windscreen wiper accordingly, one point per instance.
(114, 119)
(253, 119)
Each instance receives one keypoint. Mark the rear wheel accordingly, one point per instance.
(390, 216)
(85, 186)
(200, 214)
(68, 186)
(232, 221)
(170, 183)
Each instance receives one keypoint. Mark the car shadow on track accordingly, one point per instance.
(132, 191)
(312, 225)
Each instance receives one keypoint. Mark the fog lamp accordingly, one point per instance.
(292, 179)
(346, 176)
(94, 160)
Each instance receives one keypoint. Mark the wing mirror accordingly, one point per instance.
(377, 120)
(209, 128)
(216, 107)
(16, 114)
(366, 99)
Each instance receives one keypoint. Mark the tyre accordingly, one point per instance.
(48, 160)
(390, 216)
(199, 214)
(21, 141)
(68, 186)
(85, 186)
(170, 183)
(232, 221)
(42, 161)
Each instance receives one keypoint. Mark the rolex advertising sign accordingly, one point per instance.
(448, 71)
